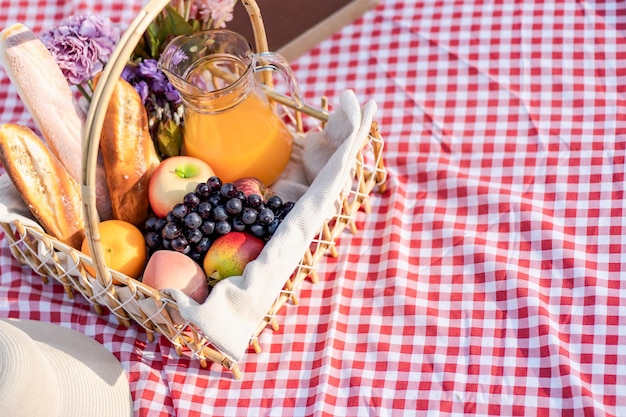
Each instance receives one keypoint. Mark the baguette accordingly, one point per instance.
(128, 153)
(41, 85)
(46, 94)
(51, 194)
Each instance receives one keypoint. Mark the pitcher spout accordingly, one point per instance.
(174, 62)
(208, 66)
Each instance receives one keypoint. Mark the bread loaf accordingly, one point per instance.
(129, 154)
(51, 194)
(39, 82)
(46, 94)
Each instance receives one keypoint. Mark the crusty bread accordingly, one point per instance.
(51, 194)
(45, 92)
(129, 154)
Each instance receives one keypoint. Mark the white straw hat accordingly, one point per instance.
(49, 370)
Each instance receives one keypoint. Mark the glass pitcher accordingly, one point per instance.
(229, 123)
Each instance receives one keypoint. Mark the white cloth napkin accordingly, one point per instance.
(236, 306)
(12, 206)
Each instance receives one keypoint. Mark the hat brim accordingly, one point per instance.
(91, 381)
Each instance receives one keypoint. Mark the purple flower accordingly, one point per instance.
(148, 70)
(128, 73)
(161, 100)
(148, 79)
(142, 88)
(171, 94)
(179, 57)
(81, 45)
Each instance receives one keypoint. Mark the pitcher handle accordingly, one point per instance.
(273, 61)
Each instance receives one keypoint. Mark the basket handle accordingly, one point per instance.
(100, 103)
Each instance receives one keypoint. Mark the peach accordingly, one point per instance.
(171, 269)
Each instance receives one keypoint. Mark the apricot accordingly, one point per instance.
(123, 245)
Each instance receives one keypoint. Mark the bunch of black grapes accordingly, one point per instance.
(212, 210)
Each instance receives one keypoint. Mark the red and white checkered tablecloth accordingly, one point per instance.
(486, 281)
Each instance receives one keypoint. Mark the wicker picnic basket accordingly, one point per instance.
(126, 299)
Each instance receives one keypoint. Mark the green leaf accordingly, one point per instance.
(174, 23)
(169, 139)
(196, 25)
(171, 25)
(153, 40)
(166, 26)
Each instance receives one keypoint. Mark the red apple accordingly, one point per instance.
(172, 179)
(171, 269)
(229, 255)
(252, 185)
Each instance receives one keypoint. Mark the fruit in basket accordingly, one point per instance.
(172, 179)
(229, 255)
(170, 269)
(123, 246)
(213, 209)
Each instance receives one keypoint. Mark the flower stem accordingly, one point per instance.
(84, 92)
(187, 10)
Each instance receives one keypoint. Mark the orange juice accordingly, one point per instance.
(248, 140)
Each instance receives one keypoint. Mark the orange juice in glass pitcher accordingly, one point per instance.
(228, 122)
